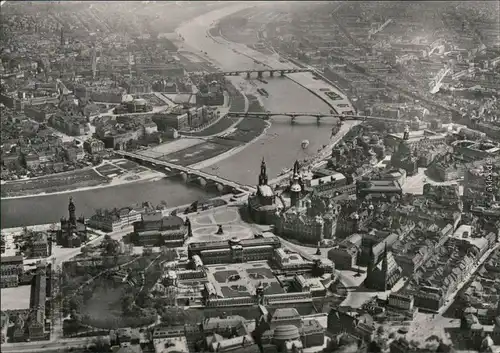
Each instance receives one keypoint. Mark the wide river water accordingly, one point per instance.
(280, 146)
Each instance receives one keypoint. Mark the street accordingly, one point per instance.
(42, 346)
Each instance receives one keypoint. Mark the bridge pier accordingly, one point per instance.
(259, 74)
(210, 184)
(271, 73)
(292, 120)
(282, 73)
(248, 74)
(203, 183)
(184, 176)
(191, 178)
(318, 120)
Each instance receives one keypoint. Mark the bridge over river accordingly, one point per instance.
(188, 174)
(260, 72)
(318, 116)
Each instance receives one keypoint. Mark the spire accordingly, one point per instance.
(72, 211)
(263, 173)
(296, 168)
(385, 266)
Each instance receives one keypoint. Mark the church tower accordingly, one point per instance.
(406, 133)
(371, 261)
(385, 266)
(62, 37)
(295, 188)
(296, 168)
(263, 173)
(72, 212)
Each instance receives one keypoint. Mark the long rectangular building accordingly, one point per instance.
(235, 250)
(36, 324)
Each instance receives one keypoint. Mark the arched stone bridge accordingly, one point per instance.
(318, 116)
(261, 72)
(188, 174)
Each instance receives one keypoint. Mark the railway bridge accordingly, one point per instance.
(189, 175)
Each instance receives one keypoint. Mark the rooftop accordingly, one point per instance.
(241, 280)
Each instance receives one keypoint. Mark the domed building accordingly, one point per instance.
(487, 344)
(262, 204)
(287, 330)
(313, 219)
(138, 105)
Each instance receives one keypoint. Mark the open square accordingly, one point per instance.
(205, 226)
(15, 298)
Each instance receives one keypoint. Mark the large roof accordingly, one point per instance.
(286, 332)
(168, 221)
(275, 241)
(285, 313)
(10, 259)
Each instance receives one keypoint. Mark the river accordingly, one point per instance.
(50, 208)
(280, 146)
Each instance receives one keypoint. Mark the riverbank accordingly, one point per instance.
(320, 88)
(145, 176)
(239, 136)
(210, 162)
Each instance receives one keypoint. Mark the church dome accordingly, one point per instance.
(487, 342)
(295, 187)
(286, 333)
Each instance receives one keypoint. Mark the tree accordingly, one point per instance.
(126, 302)
(101, 344)
(75, 303)
(87, 293)
(374, 347)
(380, 331)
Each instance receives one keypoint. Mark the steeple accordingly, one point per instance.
(406, 133)
(295, 187)
(296, 168)
(72, 212)
(385, 266)
(371, 260)
(263, 173)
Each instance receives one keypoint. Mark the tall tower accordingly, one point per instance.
(296, 175)
(385, 266)
(406, 133)
(72, 212)
(263, 173)
(131, 61)
(94, 62)
(296, 168)
(295, 191)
